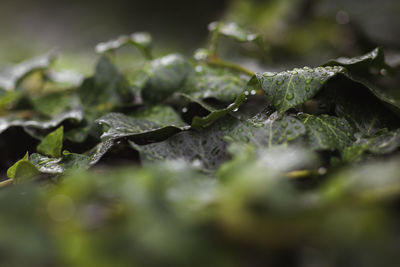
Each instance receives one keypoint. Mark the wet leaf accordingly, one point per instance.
(204, 148)
(214, 82)
(235, 32)
(267, 129)
(166, 75)
(290, 88)
(327, 132)
(157, 125)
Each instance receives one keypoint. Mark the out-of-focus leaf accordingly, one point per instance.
(51, 145)
(10, 78)
(106, 88)
(22, 169)
(363, 63)
(34, 127)
(359, 70)
(56, 103)
(266, 130)
(381, 143)
(327, 132)
(166, 75)
(371, 180)
(142, 40)
(290, 88)
(214, 82)
(235, 32)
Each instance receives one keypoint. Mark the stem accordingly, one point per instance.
(301, 174)
(229, 65)
(6, 183)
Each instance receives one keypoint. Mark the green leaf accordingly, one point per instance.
(380, 144)
(214, 82)
(327, 132)
(142, 40)
(51, 145)
(266, 130)
(106, 89)
(35, 127)
(166, 75)
(290, 88)
(363, 63)
(22, 170)
(216, 114)
(361, 181)
(233, 31)
(203, 148)
(46, 165)
(366, 70)
(12, 77)
(152, 129)
(53, 104)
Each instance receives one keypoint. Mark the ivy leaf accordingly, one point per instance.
(152, 129)
(12, 77)
(45, 164)
(106, 88)
(363, 63)
(214, 82)
(326, 132)
(216, 114)
(235, 32)
(359, 70)
(53, 104)
(142, 40)
(290, 88)
(266, 130)
(380, 144)
(51, 145)
(22, 170)
(166, 75)
(36, 127)
(203, 148)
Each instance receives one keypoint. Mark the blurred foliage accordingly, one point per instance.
(164, 159)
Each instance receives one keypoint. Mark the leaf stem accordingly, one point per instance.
(301, 174)
(6, 183)
(214, 61)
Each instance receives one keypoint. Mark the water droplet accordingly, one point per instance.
(246, 92)
(184, 110)
(383, 72)
(309, 80)
(269, 74)
(235, 110)
(290, 96)
(253, 92)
